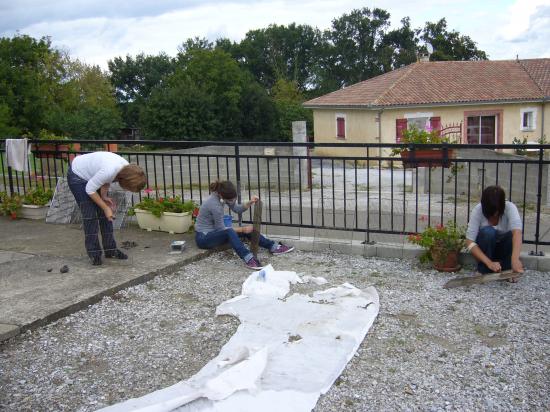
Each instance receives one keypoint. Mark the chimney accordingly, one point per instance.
(423, 57)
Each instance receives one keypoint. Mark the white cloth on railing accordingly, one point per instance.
(17, 151)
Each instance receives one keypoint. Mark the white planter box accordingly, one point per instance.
(34, 212)
(168, 222)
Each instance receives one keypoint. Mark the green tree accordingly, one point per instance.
(355, 41)
(399, 47)
(288, 101)
(30, 72)
(279, 52)
(179, 110)
(86, 106)
(135, 78)
(450, 45)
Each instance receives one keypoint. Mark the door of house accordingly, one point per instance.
(481, 129)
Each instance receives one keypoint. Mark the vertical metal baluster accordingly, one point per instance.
(300, 190)
(280, 192)
(190, 176)
(356, 203)
(200, 178)
(322, 195)
(163, 174)
(289, 188)
(344, 179)
(181, 178)
(155, 174)
(333, 196)
(269, 190)
(172, 175)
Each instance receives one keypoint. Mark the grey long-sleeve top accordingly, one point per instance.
(210, 216)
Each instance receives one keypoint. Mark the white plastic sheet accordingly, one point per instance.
(287, 351)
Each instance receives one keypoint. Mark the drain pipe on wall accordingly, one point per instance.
(542, 135)
(380, 131)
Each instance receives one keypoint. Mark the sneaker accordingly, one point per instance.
(117, 253)
(283, 249)
(96, 260)
(254, 264)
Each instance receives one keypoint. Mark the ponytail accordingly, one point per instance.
(226, 189)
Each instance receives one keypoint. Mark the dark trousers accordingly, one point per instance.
(219, 237)
(496, 246)
(93, 218)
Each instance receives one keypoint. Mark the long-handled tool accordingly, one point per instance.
(480, 279)
(257, 222)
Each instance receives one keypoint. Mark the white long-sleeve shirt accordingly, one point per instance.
(98, 168)
(510, 220)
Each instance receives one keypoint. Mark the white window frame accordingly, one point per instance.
(533, 126)
(337, 116)
(411, 118)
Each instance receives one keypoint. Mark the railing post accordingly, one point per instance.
(10, 179)
(238, 172)
(539, 197)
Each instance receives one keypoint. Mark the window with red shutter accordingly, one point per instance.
(435, 123)
(400, 127)
(341, 127)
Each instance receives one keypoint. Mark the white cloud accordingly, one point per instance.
(98, 31)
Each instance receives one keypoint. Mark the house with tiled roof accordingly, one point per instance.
(479, 101)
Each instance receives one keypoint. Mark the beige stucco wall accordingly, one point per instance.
(362, 126)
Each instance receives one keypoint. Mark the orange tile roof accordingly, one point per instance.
(446, 82)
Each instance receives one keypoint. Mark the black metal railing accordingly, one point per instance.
(327, 188)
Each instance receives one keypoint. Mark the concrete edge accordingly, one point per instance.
(8, 331)
(75, 307)
(394, 250)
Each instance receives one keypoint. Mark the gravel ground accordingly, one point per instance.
(476, 348)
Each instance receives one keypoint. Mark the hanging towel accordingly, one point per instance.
(18, 151)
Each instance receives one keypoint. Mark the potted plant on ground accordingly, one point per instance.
(35, 203)
(424, 157)
(443, 244)
(165, 214)
(10, 205)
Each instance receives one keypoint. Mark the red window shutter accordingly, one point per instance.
(400, 127)
(435, 123)
(341, 127)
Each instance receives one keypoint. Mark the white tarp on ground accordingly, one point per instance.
(286, 352)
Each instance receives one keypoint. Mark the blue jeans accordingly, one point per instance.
(93, 218)
(496, 246)
(219, 237)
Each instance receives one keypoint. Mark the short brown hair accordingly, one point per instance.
(132, 178)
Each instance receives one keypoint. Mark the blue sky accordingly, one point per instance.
(96, 31)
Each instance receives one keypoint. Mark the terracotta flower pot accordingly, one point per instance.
(445, 260)
(51, 147)
(426, 158)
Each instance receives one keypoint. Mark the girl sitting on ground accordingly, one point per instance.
(210, 230)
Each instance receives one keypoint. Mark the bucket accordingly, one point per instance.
(228, 221)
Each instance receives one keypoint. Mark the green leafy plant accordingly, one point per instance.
(38, 197)
(47, 135)
(519, 141)
(157, 206)
(10, 205)
(413, 135)
(441, 239)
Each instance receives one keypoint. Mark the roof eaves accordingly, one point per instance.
(425, 104)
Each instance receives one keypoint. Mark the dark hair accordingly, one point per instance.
(225, 189)
(493, 201)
